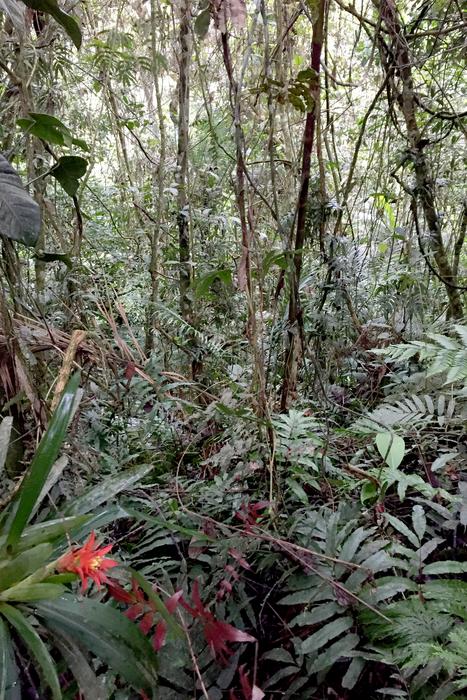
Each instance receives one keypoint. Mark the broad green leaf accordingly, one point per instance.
(67, 171)
(106, 632)
(46, 127)
(68, 22)
(23, 593)
(35, 645)
(43, 461)
(391, 448)
(333, 629)
(14, 569)
(47, 531)
(445, 567)
(9, 682)
(90, 687)
(318, 613)
(20, 217)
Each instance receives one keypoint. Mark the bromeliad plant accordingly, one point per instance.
(39, 611)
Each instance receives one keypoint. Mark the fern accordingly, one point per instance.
(444, 355)
(185, 330)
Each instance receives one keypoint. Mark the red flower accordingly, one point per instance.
(88, 562)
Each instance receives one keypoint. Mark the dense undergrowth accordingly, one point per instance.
(337, 557)
(233, 450)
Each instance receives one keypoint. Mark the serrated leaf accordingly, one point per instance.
(20, 217)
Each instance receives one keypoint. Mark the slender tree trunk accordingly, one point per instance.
(185, 46)
(295, 321)
(425, 190)
(159, 189)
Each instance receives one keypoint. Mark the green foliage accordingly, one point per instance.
(68, 22)
(20, 217)
(444, 355)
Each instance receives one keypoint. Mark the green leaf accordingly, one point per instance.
(5, 432)
(391, 448)
(89, 685)
(68, 22)
(23, 593)
(19, 567)
(47, 531)
(68, 170)
(419, 521)
(46, 127)
(35, 645)
(54, 257)
(445, 567)
(43, 460)
(98, 494)
(9, 682)
(20, 217)
(336, 651)
(107, 633)
(202, 22)
(297, 490)
(333, 629)
(403, 529)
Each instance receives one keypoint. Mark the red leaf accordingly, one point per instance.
(119, 594)
(158, 638)
(172, 602)
(135, 610)
(147, 622)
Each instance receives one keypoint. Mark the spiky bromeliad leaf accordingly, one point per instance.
(20, 217)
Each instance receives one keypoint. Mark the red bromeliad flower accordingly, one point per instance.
(88, 562)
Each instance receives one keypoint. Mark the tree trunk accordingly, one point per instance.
(424, 193)
(295, 321)
(182, 159)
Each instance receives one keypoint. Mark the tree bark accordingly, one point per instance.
(295, 321)
(185, 46)
(425, 191)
